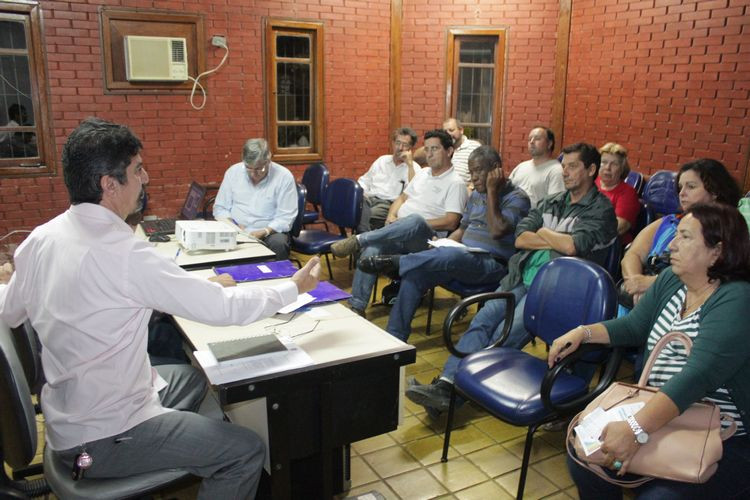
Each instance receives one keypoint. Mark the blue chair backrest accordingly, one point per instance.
(342, 203)
(660, 193)
(565, 293)
(315, 180)
(635, 180)
(301, 196)
(613, 258)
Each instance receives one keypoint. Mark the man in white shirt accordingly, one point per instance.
(259, 196)
(432, 203)
(88, 286)
(386, 180)
(462, 148)
(540, 176)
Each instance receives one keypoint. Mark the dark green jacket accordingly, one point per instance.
(721, 351)
(591, 222)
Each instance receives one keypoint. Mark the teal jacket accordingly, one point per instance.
(721, 351)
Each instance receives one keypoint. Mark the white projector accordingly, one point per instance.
(205, 235)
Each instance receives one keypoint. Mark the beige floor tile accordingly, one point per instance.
(419, 366)
(494, 460)
(412, 428)
(361, 472)
(468, 438)
(373, 444)
(540, 449)
(560, 495)
(555, 470)
(484, 491)
(499, 430)
(437, 358)
(536, 485)
(572, 492)
(457, 474)
(391, 461)
(556, 439)
(416, 485)
(378, 486)
(429, 450)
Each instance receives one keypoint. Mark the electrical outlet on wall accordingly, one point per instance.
(219, 41)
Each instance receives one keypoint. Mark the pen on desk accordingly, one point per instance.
(177, 254)
(564, 348)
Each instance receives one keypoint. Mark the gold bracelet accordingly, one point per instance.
(586, 334)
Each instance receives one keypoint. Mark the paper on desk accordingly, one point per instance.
(302, 299)
(254, 366)
(447, 242)
(591, 426)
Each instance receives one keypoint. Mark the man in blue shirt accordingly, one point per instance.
(259, 196)
(489, 226)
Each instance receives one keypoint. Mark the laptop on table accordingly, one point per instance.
(190, 209)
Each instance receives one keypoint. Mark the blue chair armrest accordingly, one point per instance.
(458, 309)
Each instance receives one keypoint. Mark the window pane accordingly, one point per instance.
(293, 91)
(475, 94)
(293, 46)
(294, 136)
(12, 35)
(481, 134)
(17, 144)
(477, 52)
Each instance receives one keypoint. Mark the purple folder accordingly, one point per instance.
(260, 271)
(326, 292)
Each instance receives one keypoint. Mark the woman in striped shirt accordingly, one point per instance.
(705, 294)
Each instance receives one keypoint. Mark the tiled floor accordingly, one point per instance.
(485, 454)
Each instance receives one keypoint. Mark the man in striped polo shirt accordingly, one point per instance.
(462, 148)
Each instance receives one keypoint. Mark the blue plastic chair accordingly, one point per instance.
(635, 180)
(517, 387)
(460, 289)
(299, 220)
(342, 205)
(660, 195)
(315, 180)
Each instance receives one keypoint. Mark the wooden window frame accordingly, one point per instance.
(118, 23)
(44, 163)
(314, 152)
(451, 74)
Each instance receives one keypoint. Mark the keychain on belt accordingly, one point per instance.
(81, 462)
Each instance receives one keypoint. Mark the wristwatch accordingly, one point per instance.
(641, 436)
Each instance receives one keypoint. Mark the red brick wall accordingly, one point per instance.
(668, 79)
(530, 66)
(181, 144)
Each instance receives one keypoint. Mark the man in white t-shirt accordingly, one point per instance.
(432, 203)
(462, 148)
(541, 175)
(386, 179)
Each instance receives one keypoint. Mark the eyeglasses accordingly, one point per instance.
(259, 168)
(400, 144)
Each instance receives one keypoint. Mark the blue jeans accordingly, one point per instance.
(486, 328)
(405, 235)
(730, 481)
(423, 270)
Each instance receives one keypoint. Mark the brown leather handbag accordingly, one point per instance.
(688, 448)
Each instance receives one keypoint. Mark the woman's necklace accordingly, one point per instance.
(699, 298)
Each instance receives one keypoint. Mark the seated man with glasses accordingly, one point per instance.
(259, 196)
(386, 179)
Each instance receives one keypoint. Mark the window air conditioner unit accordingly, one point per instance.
(155, 58)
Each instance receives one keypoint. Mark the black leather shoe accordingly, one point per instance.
(386, 265)
(435, 397)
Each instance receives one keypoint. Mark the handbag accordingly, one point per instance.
(687, 448)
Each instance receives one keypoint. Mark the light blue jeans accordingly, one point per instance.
(486, 328)
(422, 270)
(406, 235)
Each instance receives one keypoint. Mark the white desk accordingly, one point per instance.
(246, 251)
(351, 392)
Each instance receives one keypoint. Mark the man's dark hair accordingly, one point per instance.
(94, 149)
(724, 224)
(486, 157)
(445, 139)
(405, 131)
(550, 136)
(588, 154)
(16, 112)
(715, 178)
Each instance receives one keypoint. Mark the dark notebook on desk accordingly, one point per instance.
(190, 209)
(243, 348)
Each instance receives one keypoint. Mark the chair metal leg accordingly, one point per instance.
(449, 425)
(525, 461)
(430, 305)
(328, 262)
